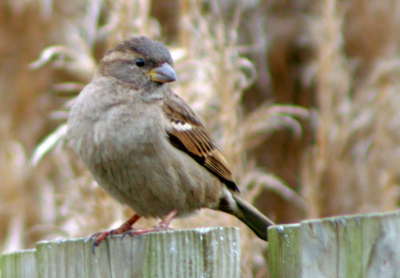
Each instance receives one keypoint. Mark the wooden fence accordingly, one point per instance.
(359, 246)
(347, 246)
(208, 253)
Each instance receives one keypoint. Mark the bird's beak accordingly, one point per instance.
(163, 74)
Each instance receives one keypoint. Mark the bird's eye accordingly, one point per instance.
(139, 62)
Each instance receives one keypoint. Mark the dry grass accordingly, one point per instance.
(353, 165)
(301, 97)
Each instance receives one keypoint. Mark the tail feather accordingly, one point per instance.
(253, 218)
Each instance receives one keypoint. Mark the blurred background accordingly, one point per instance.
(302, 97)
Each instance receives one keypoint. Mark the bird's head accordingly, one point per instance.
(139, 61)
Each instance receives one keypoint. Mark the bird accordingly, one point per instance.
(147, 148)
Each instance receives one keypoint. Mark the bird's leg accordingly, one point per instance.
(126, 226)
(163, 225)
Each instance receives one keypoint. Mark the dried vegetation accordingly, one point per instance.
(301, 96)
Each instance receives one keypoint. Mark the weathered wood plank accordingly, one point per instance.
(350, 245)
(18, 264)
(207, 252)
(319, 248)
(382, 255)
(284, 243)
(346, 246)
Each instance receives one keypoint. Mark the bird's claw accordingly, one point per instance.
(102, 235)
(94, 245)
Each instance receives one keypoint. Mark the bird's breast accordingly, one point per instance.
(130, 156)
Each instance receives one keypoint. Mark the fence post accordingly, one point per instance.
(366, 245)
(206, 252)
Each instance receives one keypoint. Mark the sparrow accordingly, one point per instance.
(146, 147)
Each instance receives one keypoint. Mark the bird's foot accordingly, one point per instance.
(162, 226)
(140, 231)
(125, 227)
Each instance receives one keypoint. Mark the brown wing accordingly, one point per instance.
(188, 134)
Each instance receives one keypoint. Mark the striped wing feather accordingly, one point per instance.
(187, 133)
